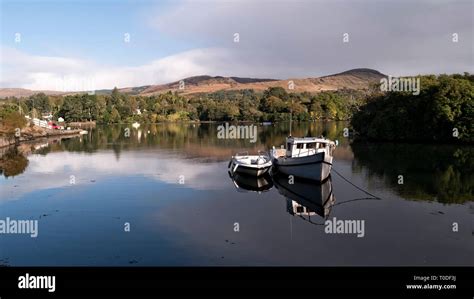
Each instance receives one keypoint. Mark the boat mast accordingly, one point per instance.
(291, 114)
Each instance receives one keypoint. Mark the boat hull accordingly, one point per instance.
(315, 167)
(250, 170)
(248, 166)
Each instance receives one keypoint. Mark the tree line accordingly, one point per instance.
(443, 112)
(274, 104)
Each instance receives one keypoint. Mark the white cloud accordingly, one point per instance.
(20, 69)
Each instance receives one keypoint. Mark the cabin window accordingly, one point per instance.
(300, 145)
(322, 145)
(311, 145)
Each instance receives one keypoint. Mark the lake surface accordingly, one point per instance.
(169, 184)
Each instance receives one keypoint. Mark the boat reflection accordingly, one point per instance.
(245, 182)
(305, 198)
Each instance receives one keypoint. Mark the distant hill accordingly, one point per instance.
(206, 84)
(355, 79)
(22, 92)
(360, 73)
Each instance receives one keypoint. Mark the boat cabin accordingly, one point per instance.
(307, 146)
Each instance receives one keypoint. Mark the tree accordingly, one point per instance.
(115, 116)
(278, 92)
(40, 102)
(116, 98)
(272, 104)
(12, 121)
(442, 112)
(72, 109)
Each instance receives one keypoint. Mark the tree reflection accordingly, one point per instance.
(192, 135)
(430, 172)
(13, 163)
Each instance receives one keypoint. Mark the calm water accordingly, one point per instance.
(170, 183)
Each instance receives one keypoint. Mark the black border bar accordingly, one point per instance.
(291, 282)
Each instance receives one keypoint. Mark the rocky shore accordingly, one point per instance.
(31, 133)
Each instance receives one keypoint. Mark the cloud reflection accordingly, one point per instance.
(54, 171)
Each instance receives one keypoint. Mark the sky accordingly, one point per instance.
(87, 45)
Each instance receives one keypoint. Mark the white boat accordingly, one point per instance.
(255, 165)
(308, 158)
(83, 132)
(136, 125)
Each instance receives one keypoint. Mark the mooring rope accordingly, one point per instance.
(354, 185)
(356, 199)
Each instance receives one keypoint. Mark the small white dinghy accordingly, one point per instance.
(256, 165)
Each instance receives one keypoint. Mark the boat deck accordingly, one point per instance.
(279, 152)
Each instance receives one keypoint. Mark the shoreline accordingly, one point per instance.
(35, 133)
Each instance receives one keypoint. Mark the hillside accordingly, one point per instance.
(22, 92)
(206, 84)
(356, 79)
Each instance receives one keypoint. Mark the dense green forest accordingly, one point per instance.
(274, 104)
(442, 112)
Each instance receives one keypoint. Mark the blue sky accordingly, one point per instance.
(79, 45)
(89, 29)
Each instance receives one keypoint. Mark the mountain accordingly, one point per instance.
(356, 79)
(361, 73)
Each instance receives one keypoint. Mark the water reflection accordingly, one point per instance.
(243, 182)
(12, 162)
(304, 198)
(441, 173)
(430, 172)
(197, 140)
